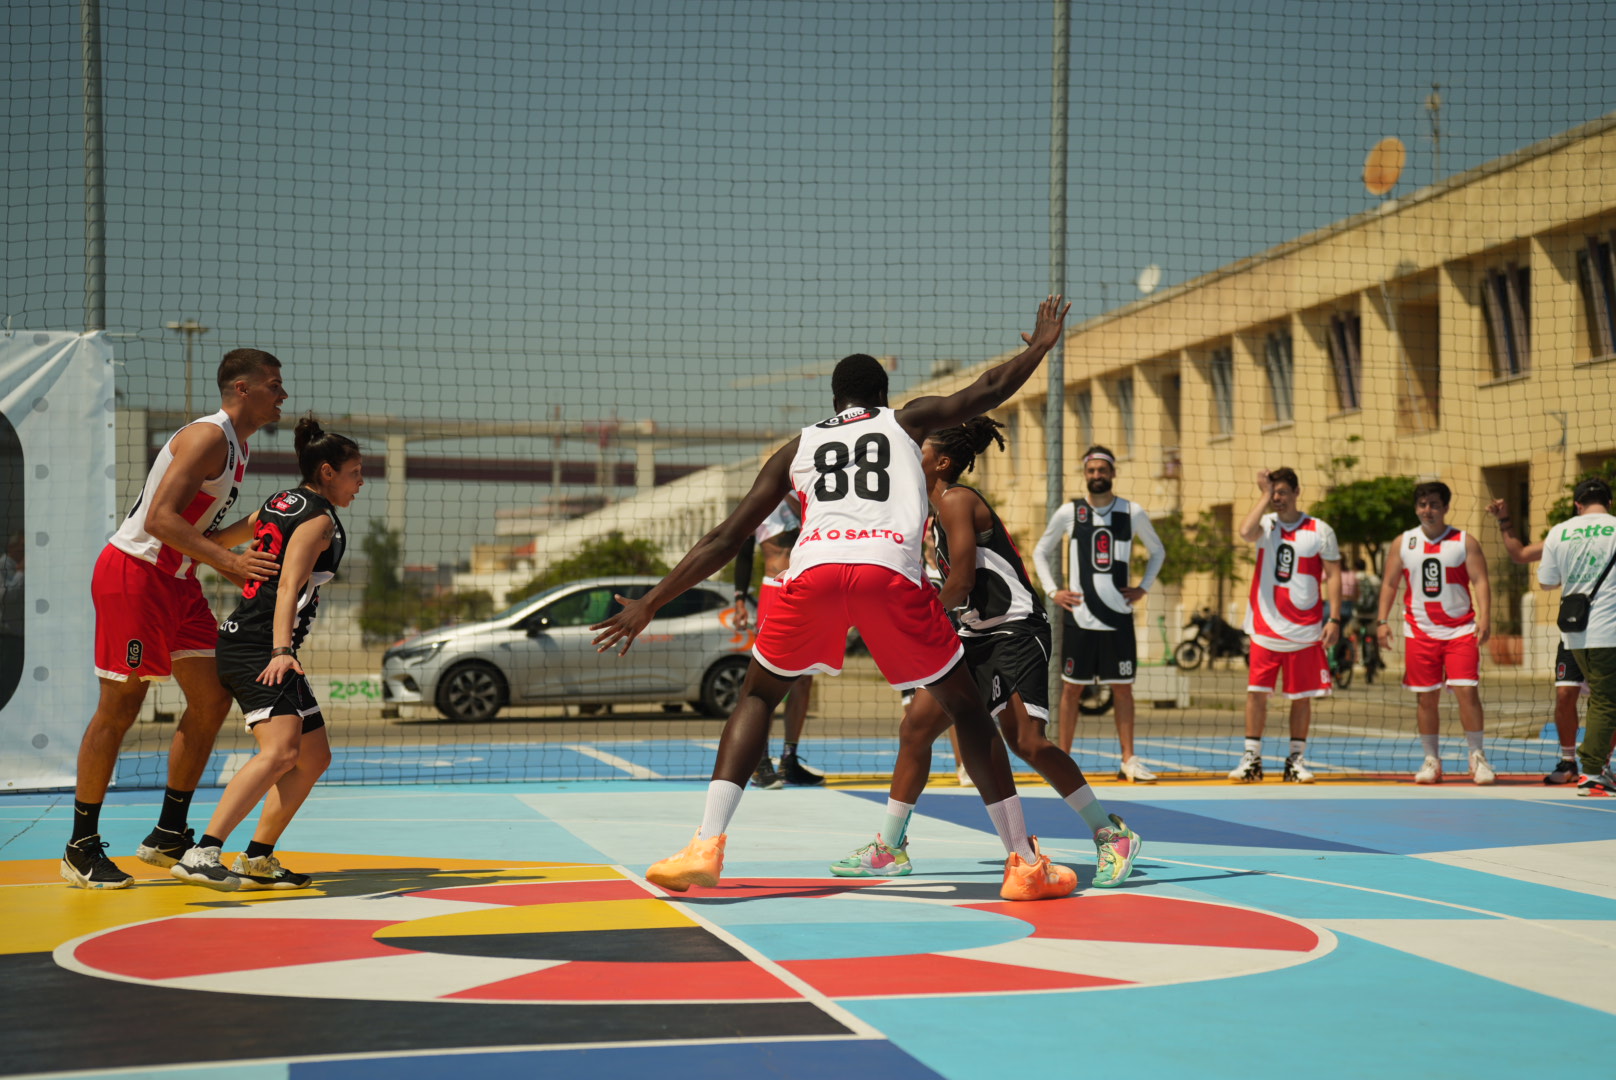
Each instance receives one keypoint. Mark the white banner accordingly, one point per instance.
(57, 492)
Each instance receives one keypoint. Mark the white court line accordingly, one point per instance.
(635, 772)
(232, 765)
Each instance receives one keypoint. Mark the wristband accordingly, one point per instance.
(1336, 621)
(1503, 523)
(281, 650)
(1382, 622)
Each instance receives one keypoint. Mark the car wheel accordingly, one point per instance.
(472, 691)
(721, 686)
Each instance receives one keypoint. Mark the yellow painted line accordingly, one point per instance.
(644, 914)
(44, 871)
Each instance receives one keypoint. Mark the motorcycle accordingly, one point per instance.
(1214, 639)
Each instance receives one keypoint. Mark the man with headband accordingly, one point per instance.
(1098, 643)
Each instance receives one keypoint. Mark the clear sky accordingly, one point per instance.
(492, 208)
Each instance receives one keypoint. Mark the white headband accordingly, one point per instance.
(1102, 455)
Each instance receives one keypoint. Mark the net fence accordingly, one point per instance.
(569, 271)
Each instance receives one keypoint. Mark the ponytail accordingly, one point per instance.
(316, 446)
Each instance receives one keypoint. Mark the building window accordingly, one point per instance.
(1598, 279)
(1346, 358)
(1506, 296)
(1083, 407)
(1223, 390)
(1280, 360)
(1125, 410)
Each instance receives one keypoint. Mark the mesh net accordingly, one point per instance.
(569, 270)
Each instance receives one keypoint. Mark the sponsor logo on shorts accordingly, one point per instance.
(1066, 669)
(133, 652)
(1431, 577)
(1102, 549)
(1284, 563)
(1560, 671)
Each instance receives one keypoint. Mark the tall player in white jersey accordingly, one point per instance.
(857, 562)
(1443, 630)
(1298, 569)
(152, 622)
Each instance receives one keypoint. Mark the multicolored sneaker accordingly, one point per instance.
(1602, 786)
(1565, 771)
(1249, 771)
(700, 863)
(1430, 772)
(764, 778)
(266, 872)
(1036, 880)
(1481, 770)
(1115, 848)
(875, 859)
(165, 847)
(85, 866)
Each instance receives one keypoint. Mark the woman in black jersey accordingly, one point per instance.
(1005, 632)
(257, 659)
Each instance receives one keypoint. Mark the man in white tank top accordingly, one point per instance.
(857, 562)
(1443, 630)
(152, 621)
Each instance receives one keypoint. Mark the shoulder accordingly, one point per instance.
(288, 504)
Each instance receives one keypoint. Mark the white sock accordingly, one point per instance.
(1474, 738)
(1568, 753)
(1011, 826)
(1088, 807)
(1298, 746)
(896, 825)
(1431, 746)
(722, 799)
(1254, 746)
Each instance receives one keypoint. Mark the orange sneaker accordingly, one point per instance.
(1036, 880)
(700, 863)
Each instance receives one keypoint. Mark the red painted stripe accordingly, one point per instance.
(1157, 920)
(528, 893)
(174, 948)
(928, 973)
(587, 980)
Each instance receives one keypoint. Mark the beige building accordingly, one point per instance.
(1466, 332)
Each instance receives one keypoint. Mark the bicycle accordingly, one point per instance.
(1357, 646)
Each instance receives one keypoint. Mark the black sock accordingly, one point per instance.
(255, 850)
(209, 840)
(86, 820)
(176, 805)
(790, 750)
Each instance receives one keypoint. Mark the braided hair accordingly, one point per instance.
(962, 444)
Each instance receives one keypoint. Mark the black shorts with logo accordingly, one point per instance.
(1097, 656)
(1566, 671)
(1012, 662)
(239, 667)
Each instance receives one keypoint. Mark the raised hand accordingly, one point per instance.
(1051, 317)
(1264, 483)
(623, 627)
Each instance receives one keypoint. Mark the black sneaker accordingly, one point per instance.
(165, 847)
(201, 866)
(1564, 772)
(793, 771)
(266, 872)
(85, 866)
(765, 777)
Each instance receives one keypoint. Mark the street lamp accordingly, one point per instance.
(190, 328)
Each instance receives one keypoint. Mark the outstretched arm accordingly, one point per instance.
(1519, 552)
(923, 416)
(710, 553)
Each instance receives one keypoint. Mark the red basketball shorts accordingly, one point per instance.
(768, 593)
(908, 633)
(146, 620)
(1431, 663)
(1306, 672)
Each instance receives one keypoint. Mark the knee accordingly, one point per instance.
(1026, 745)
(279, 760)
(315, 758)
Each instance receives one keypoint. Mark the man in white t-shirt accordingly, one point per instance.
(1298, 571)
(1577, 557)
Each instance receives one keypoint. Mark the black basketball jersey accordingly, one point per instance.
(1103, 551)
(1002, 594)
(253, 621)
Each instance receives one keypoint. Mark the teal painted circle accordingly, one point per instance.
(839, 929)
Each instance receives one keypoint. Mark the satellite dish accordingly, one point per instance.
(1148, 279)
(1384, 165)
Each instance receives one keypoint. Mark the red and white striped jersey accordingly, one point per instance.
(1436, 597)
(1286, 609)
(863, 494)
(206, 510)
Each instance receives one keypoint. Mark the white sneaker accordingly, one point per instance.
(1480, 771)
(201, 866)
(964, 777)
(1430, 772)
(1249, 771)
(1296, 771)
(1133, 770)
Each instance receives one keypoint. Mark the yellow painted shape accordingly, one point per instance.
(646, 914)
(39, 911)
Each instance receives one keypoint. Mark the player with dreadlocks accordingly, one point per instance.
(1005, 634)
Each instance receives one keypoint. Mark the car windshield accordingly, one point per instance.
(525, 603)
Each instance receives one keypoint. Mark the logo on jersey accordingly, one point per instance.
(1413, 542)
(1082, 515)
(224, 508)
(1284, 563)
(846, 418)
(287, 502)
(1101, 549)
(1431, 577)
(133, 652)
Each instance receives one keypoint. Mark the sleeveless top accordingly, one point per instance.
(253, 621)
(1436, 597)
(206, 510)
(1002, 595)
(1101, 549)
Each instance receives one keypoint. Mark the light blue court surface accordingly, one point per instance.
(1268, 931)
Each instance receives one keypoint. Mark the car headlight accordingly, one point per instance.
(410, 655)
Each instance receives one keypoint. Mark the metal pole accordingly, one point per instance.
(95, 172)
(1055, 362)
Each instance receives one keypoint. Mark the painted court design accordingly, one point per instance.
(1369, 928)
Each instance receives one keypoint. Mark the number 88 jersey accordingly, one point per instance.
(863, 493)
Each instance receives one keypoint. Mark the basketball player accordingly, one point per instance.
(1005, 633)
(1569, 683)
(258, 662)
(1443, 627)
(857, 563)
(774, 538)
(1097, 639)
(1298, 570)
(152, 622)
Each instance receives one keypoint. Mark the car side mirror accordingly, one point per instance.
(538, 626)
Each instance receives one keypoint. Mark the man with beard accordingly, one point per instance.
(1098, 643)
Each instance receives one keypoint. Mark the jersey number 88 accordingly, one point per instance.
(869, 459)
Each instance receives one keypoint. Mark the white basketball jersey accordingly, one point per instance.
(1286, 609)
(206, 510)
(1436, 597)
(863, 494)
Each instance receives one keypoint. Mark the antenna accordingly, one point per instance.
(1384, 165)
(1433, 105)
(1148, 279)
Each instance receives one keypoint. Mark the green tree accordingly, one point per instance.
(611, 554)
(384, 609)
(1562, 508)
(1369, 513)
(1202, 546)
